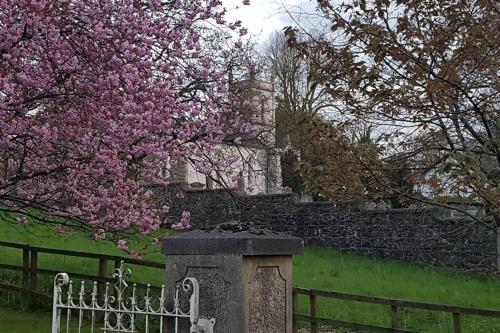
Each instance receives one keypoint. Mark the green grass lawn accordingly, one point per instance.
(326, 269)
(12, 321)
(317, 268)
(43, 236)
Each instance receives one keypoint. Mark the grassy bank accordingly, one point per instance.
(12, 321)
(329, 270)
(317, 268)
(44, 236)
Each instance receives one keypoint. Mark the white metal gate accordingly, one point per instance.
(122, 310)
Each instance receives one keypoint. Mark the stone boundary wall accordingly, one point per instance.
(426, 236)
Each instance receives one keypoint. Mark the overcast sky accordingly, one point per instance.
(262, 17)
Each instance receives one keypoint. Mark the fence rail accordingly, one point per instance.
(393, 304)
(31, 269)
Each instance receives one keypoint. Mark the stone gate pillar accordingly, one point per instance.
(245, 275)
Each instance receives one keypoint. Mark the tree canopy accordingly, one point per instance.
(427, 74)
(97, 97)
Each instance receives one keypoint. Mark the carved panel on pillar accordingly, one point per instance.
(216, 295)
(267, 291)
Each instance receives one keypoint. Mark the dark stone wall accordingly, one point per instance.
(426, 236)
(209, 207)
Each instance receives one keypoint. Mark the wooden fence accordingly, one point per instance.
(393, 306)
(30, 269)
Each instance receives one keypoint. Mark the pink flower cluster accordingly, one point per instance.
(61, 230)
(122, 244)
(183, 224)
(96, 99)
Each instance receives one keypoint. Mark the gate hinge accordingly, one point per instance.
(205, 326)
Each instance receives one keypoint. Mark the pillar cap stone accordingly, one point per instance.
(232, 239)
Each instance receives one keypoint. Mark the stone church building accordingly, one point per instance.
(257, 169)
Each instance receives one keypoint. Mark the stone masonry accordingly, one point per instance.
(426, 236)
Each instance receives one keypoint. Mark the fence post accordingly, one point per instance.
(295, 309)
(33, 273)
(457, 325)
(394, 316)
(26, 267)
(313, 314)
(101, 274)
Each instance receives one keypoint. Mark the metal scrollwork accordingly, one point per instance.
(121, 309)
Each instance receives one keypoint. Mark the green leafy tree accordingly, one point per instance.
(427, 72)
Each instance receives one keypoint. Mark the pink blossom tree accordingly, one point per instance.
(97, 97)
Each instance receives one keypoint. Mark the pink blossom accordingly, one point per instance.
(99, 234)
(235, 24)
(184, 222)
(122, 244)
(136, 254)
(61, 230)
(99, 109)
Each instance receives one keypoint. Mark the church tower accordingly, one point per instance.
(261, 96)
(258, 166)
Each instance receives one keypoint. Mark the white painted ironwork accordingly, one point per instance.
(121, 310)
